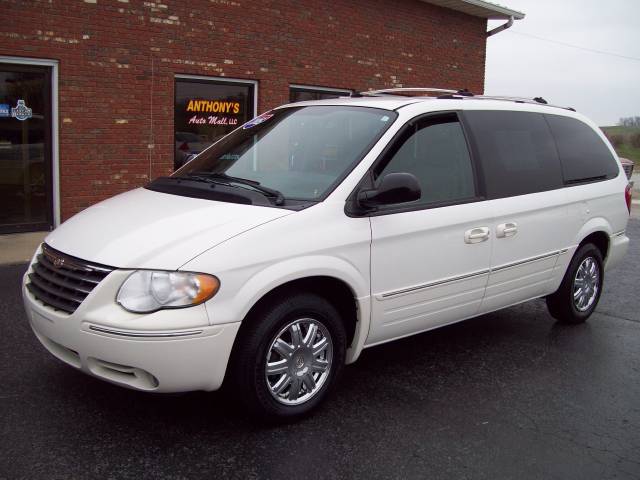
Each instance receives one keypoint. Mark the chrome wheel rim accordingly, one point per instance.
(586, 284)
(298, 361)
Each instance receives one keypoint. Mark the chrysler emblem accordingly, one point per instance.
(58, 262)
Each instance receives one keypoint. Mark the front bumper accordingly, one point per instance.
(104, 341)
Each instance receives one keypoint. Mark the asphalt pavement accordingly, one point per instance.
(509, 395)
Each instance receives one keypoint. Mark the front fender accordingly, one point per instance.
(241, 297)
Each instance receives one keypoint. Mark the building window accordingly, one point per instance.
(206, 110)
(302, 93)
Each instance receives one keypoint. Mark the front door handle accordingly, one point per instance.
(476, 235)
(506, 230)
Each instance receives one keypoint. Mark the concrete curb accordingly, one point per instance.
(19, 247)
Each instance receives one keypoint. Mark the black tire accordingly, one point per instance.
(248, 370)
(561, 304)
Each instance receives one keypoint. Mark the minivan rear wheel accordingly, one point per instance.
(289, 356)
(581, 287)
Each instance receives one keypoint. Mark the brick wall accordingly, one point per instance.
(118, 59)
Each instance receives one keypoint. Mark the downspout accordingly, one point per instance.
(501, 27)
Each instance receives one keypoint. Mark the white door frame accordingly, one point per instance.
(55, 153)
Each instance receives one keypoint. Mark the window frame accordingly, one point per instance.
(368, 179)
(252, 86)
(50, 142)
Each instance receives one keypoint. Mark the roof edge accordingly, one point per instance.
(517, 15)
(479, 8)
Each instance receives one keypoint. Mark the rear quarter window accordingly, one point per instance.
(517, 152)
(583, 154)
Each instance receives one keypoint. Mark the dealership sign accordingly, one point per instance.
(213, 106)
(224, 111)
(212, 120)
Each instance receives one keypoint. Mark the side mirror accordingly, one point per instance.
(394, 188)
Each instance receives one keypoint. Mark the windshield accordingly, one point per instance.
(300, 153)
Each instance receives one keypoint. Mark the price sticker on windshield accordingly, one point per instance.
(258, 120)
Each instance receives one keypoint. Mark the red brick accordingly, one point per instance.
(357, 44)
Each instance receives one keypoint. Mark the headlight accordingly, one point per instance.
(146, 291)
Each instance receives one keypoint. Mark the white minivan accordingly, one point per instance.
(322, 228)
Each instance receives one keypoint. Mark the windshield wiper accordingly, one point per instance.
(228, 179)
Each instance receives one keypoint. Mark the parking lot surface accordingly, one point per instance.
(509, 395)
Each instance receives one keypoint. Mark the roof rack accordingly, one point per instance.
(399, 91)
(532, 101)
(457, 94)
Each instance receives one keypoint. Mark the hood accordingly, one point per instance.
(147, 229)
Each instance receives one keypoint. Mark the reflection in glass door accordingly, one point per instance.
(25, 148)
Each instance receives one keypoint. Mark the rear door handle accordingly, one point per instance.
(506, 229)
(477, 235)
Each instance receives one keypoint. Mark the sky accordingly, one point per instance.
(604, 87)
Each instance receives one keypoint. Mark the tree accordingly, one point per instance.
(629, 122)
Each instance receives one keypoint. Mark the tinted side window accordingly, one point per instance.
(583, 154)
(517, 152)
(435, 151)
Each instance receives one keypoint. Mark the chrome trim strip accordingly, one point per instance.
(619, 234)
(124, 333)
(471, 275)
(476, 274)
(529, 260)
(435, 284)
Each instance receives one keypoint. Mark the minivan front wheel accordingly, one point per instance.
(299, 361)
(580, 290)
(289, 356)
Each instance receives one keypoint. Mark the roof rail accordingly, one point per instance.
(456, 94)
(399, 91)
(537, 100)
(533, 101)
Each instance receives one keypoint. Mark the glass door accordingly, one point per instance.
(25, 148)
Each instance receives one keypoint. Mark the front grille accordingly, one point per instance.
(628, 169)
(61, 281)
